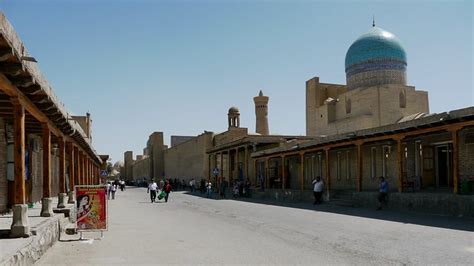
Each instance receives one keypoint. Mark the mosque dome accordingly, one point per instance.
(233, 110)
(375, 58)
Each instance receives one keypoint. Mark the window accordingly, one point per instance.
(373, 154)
(348, 106)
(403, 99)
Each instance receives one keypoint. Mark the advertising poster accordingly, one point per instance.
(91, 208)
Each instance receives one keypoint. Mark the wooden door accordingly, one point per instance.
(428, 179)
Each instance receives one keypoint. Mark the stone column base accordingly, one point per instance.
(20, 227)
(62, 197)
(47, 207)
(71, 197)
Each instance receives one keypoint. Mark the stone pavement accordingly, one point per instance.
(44, 233)
(191, 229)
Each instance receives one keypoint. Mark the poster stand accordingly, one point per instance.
(91, 210)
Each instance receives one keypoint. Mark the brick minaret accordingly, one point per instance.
(261, 113)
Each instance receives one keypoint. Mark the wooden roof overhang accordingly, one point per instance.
(253, 139)
(430, 124)
(22, 79)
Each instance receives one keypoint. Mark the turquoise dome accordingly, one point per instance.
(375, 46)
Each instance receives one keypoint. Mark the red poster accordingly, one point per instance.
(91, 208)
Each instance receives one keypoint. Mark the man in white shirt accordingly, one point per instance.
(152, 190)
(318, 190)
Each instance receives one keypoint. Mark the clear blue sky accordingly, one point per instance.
(177, 66)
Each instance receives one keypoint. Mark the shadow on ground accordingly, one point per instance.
(448, 222)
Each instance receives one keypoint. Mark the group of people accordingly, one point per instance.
(382, 197)
(161, 190)
(112, 186)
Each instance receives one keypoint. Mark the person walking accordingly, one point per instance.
(108, 190)
(209, 188)
(318, 190)
(152, 190)
(167, 189)
(113, 188)
(383, 193)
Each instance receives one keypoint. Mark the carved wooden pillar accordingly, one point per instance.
(360, 166)
(283, 172)
(62, 174)
(399, 165)
(71, 171)
(246, 162)
(455, 137)
(302, 170)
(20, 226)
(328, 171)
(47, 201)
(19, 152)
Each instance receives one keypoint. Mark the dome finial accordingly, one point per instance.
(373, 21)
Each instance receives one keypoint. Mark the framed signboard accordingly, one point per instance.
(91, 208)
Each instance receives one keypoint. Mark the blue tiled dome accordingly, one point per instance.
(375, 44)
(375, 58)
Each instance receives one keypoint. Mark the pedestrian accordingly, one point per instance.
(152, 190)
(167, 189)
(262, 183)
(383, 192)
(162, 184)
(113, 188)
(202, 185)
(192, 185)
(108, 189)
(222, 188)
(209, 188)
(318, 190)
(247, 187)
(235, 189)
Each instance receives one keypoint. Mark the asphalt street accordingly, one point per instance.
(191, 229)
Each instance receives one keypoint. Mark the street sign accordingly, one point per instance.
(215, 171)
(104, 173)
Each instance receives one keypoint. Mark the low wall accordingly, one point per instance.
(442, 204)
(433, 203)
(44, 235)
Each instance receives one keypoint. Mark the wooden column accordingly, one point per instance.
(237, 162)
(19, 151)
(283, 173)
(399, 165)
(267, 182)
(302, 171)
(46, 161)
(77, 166)
(246, 162)
(328, 171)
(62, 166)
(71, 168)
(455, 137)
(81, 169)
(360, 166)
(231, 178)
(222, 165)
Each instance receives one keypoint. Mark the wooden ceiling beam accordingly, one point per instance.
(6, 53)
(12, 69)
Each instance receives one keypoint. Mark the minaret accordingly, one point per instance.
(233, 117)
(261, 113)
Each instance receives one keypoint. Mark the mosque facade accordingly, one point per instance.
(374, 125)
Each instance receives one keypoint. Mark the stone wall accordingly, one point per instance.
(141, 169)
(360, 108)
(189, 159)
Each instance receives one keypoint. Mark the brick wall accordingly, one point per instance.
(466, 156)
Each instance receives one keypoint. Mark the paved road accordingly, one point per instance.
(195, 230)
